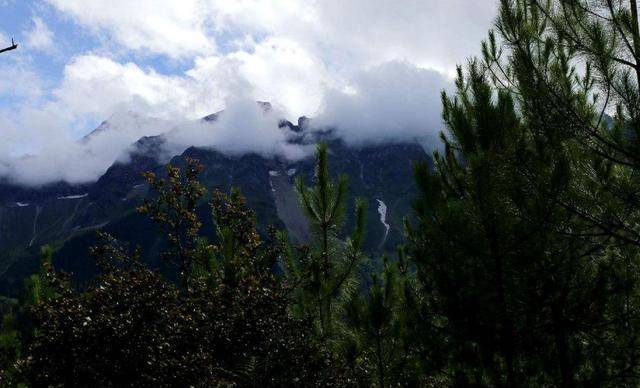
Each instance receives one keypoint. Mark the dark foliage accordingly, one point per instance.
(229, 325)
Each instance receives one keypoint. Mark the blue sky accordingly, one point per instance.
(17, 22)
(68, 39)
(81, 62)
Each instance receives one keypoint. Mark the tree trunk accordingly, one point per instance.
(560, 338)
(636, 37)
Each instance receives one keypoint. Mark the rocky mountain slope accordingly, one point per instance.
(67, 217)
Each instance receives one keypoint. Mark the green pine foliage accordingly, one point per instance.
(326, 271)
(500, 269)
(578, 62)
(17, 328)
(377, 344)
(361, 320)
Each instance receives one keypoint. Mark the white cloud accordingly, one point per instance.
(173, 28)
(96, 85)
(40, 37)
(244, 127)
(373, 69)
(75, 162)
(396, 101)
(19, 81)
(431, 33)
(286, 51)
(41, 146)
(40, 133)
(282, 71)
(64, 159)
(348, 34)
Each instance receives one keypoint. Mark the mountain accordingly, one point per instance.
(67, 216)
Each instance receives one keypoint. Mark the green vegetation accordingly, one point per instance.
(521, 267)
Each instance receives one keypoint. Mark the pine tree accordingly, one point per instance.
(362, 320)
(506, 270)
(585, 57)
(327, 271)
(17, 328)
(573, 67)
(377, 344)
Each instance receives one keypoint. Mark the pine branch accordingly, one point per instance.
(12, 47)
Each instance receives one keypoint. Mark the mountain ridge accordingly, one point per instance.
(65, 215)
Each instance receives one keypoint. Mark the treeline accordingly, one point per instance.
(521, 268)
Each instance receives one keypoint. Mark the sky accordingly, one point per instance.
(373, 69)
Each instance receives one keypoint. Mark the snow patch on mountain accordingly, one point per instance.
(77, 196)
(382, 211)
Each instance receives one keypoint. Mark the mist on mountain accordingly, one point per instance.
(394, 102)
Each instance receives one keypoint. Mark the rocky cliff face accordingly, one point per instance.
(67, 216)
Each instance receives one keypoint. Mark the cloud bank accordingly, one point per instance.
(395, 101)
(172, 28)
(244, 127)
(40, 37)
(371, 69)
(76, 162)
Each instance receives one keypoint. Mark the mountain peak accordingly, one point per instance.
(265, 105)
